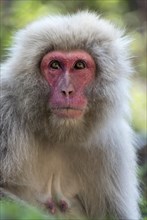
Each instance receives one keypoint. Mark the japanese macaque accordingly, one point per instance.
(66, 144)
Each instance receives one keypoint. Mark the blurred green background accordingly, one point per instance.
(128, 14)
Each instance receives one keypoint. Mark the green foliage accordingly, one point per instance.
(140, 53)
(138, 106)
(143, 207)
(12, 210)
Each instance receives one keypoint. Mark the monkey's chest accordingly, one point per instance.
(56, 184)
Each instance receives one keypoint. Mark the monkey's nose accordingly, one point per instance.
(67, 91)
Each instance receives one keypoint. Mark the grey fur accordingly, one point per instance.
(91, 162)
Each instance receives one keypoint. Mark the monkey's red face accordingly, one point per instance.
(68, 75)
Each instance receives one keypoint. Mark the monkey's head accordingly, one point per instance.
(68, 73)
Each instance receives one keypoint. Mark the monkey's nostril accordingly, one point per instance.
(67, 92)
(70, 92)
(63, 92)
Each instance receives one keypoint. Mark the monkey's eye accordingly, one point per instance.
(55, 64)
(80, 64)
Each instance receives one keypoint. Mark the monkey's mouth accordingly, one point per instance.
(68, 112)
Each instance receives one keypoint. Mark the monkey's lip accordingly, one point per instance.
(68, 112)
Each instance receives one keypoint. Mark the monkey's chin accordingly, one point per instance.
(68, 113)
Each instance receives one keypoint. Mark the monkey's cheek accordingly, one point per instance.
(68, 113)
